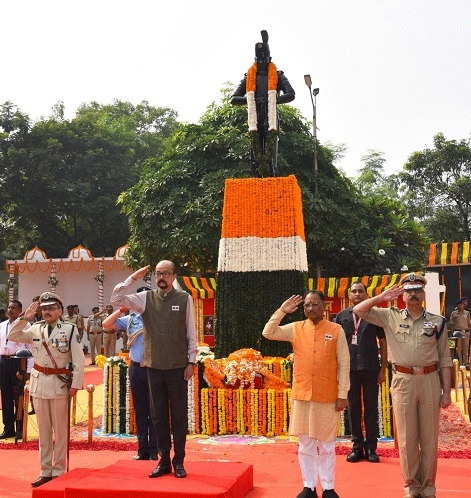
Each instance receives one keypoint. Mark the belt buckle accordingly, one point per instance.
(46, 370)
(417, 370)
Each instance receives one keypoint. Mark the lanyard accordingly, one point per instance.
(356, 323)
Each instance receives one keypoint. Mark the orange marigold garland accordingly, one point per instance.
(213, 374)
(272, 381)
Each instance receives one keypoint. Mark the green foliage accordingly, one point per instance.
(248, 304)
(175, 209)
(437, 188)
(60, 179)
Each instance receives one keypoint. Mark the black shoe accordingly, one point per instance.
(372, 456)
(32, 412)
(355, 456)
(161, 470)
(140, 456)
(307, 493)
(153, 456)
(179, 470)
(7, 434)
(40, 481)
(329, 493)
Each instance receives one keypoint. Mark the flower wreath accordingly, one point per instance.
(262, 158)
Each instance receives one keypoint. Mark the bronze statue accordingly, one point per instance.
(261, 90)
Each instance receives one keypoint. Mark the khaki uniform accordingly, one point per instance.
(459, 321)
(95, 335)
(416, 398)
(109, 340)
(51, 396)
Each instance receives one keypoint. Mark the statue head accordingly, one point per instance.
(262, 50)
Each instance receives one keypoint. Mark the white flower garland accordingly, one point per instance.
(191, 406)
(380, 413)
(104, 423)
(128, 398)
(262, 254)
(272, 110)
(117, 414)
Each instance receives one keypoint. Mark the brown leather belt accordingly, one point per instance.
(52, 371)
(96, 333)
(109, 331)
(416, 370)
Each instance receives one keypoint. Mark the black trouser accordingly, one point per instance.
(363, 384)
(146, 437)
(169, 398)
(9, 385)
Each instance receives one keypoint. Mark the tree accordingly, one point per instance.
(437, 188)
(175, 209)
(60, 179)
(394, 240)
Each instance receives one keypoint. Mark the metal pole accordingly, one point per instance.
(68, 434)
(313, 94)
(90, 389)
(314, 133)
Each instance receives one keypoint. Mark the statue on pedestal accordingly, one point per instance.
(262, 88)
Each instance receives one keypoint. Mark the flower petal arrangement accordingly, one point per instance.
(262, 261)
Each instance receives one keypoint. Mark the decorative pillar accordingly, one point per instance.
(11, 283)
(100, 278)
(53, 282)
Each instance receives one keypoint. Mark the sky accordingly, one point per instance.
(391, 74)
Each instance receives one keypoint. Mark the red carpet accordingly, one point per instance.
(124, 479)
(275, 465)
(93, 375)
(276, 471)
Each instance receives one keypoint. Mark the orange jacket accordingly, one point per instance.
(315, 361)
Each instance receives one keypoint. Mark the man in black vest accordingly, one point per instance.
(170, 350)
(366, 374)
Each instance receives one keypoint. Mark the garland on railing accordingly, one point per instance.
(116, 395)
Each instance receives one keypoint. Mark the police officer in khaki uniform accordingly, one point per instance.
(94, 334)
(418, 349)
(57, 352)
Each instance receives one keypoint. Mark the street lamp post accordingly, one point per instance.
(313, 94)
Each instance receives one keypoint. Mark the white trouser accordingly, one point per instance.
(317, 460)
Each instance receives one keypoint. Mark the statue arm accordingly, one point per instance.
(284, 86)
(238, 97)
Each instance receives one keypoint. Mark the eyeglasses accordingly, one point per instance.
(164, 274)
(50, 308)
(311, 305)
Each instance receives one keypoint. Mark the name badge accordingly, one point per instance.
(175, 308)
(328, 337)
(428, 325)
(354, 340)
